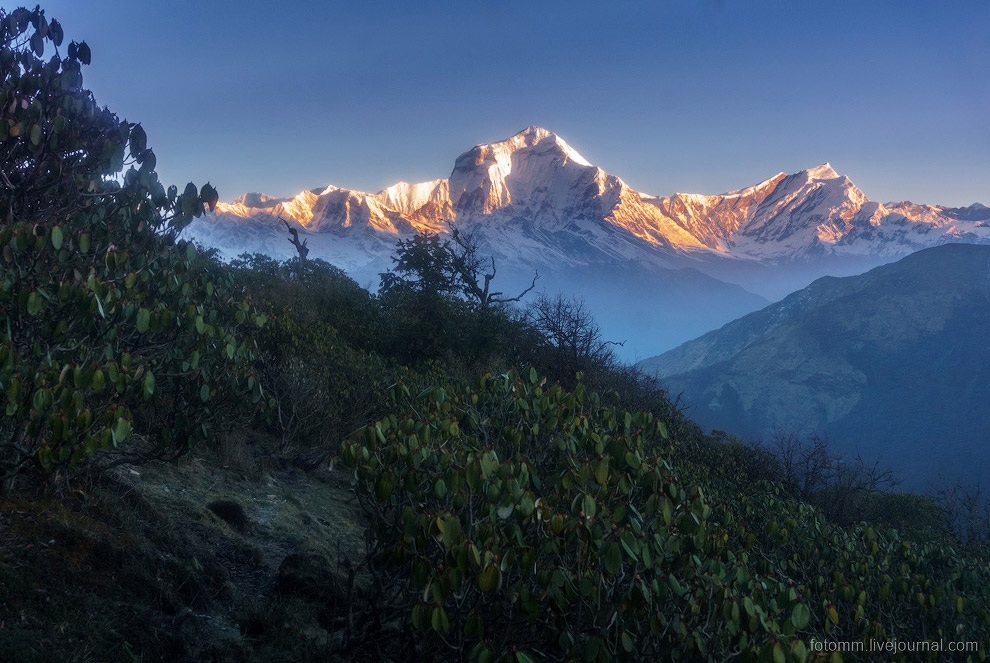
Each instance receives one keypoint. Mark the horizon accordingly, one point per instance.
(672, 97)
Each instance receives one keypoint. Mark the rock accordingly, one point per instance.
(231, 513)
(307, 575)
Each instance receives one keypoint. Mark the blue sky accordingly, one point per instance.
(701, 96)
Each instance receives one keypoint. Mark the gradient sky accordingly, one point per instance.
(701, 96)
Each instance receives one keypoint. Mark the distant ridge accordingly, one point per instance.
(892, 363)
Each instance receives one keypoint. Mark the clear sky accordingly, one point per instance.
(701, 96)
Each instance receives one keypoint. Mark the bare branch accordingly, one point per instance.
(468, 265)
(301, 247)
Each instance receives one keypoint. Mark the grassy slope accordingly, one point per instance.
(135, 567)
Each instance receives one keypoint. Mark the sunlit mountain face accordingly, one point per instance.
(658, 270)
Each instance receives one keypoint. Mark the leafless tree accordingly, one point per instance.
(574, 338)
(834, 482)
(471, 269)
(967, 511)
(301, 247)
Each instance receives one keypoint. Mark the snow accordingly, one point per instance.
(822, 172)
(533, 197)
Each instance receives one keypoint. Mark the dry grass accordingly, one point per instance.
(132, 565)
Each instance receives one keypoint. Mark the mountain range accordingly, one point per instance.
(656, 270)
(890, 364)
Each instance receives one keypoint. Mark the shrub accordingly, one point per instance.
(107, 327)
(516, 521)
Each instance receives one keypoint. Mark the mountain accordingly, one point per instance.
(892, 364)
(535, 204)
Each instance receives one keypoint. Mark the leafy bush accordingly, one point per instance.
(106, 326)
(530, 521)
(517, 521)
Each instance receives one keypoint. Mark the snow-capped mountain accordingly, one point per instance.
(534, 182)
(536, 204)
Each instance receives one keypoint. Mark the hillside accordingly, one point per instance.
(258, 460)
(891, 364)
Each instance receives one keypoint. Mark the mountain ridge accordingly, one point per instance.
(536, 175)
(535, 204)
(884, 362)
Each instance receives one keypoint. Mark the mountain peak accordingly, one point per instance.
(822, 172)
(534, 135)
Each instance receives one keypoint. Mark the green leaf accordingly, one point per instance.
(34, 303)
(204, 393)
(420, 619)
(589, 506)
(98, 381)
(121, 431)
(57, 237)
(45, 457)
(526, 505)
(138, 140)
(143, 320)
(148, 386)
(489, 579)
(474, 627)
(472, 474)
(667, 508)
(800, 616)
(612, 558)
(13, 394)
(439, 620)
(630, 545)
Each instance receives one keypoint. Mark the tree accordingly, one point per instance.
(429, 263)
(475, 281)
(836, 483)
(423, 264)
(574, 340)
(301, 247)
(108, 326)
